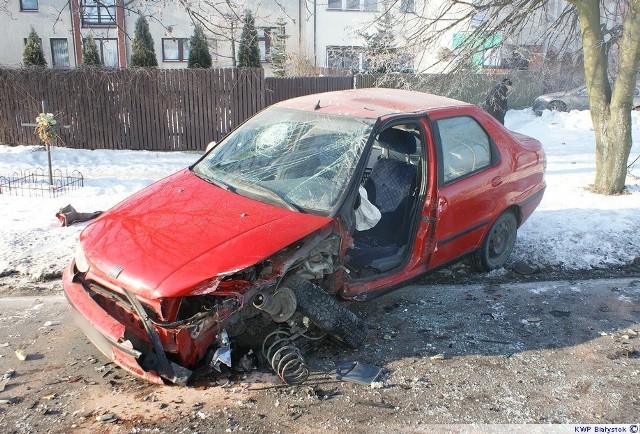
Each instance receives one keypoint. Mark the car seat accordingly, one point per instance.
(391, 187)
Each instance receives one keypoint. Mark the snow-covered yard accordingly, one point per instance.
(572, 227)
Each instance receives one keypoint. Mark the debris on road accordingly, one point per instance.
(107, 417)
(5, 379)
(21, 355)
(358, 372)
(68, 215)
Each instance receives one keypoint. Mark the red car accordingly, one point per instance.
(315, 200)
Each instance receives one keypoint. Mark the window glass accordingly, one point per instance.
(185, 49)
(264, 43)
(408, 6)
(353, 4)
(344, 57)
(334, 4)
(108, 51)
(28, 5)
(465, 147)
(59, 52)
(170, 50)
(98, 12)
(370, 5)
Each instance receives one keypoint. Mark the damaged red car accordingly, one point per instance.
(312, 202)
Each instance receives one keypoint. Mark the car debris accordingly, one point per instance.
(261, 244)
(358, 372)
(68, 215)
(21, 355)
(6, 377)
(107, 418)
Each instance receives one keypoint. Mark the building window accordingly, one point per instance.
(175, 49)
(108, 51)
(264, 43)
(59, 52)
(408, 6)
(28, 5)
(353, 5)
(345, 58)
(98, 12)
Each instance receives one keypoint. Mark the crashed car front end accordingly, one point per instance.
(167, 338)
(153, 338)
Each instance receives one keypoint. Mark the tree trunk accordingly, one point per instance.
(610, 113)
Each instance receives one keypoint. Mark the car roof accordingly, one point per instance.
(370, 102)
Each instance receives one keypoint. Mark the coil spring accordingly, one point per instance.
(285, 357)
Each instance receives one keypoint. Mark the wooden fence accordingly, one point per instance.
(279, 89)
(143, 109)
(185, 109)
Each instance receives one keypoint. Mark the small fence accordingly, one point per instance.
(34, 183)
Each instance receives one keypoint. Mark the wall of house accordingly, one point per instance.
(51, 20)
(313, 26)
(173, 22)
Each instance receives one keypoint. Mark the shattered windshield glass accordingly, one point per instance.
(291, 158)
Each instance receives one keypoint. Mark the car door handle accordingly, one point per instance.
(496, 181)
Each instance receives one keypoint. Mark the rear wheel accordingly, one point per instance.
(327, 313)
(498, 243)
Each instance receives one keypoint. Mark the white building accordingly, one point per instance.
(322, 33)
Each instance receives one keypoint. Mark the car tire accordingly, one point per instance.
(498, 243)
(557, 106)
(327, 313)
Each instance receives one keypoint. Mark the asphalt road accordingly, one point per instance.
(538, 352)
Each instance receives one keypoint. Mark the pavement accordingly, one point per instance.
(539, 352)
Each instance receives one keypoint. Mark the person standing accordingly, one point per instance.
(496, 102)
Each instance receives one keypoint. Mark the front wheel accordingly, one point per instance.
(557, 106)
(327, 313)
(498, 243)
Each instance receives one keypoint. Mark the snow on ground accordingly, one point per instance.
(571, 228)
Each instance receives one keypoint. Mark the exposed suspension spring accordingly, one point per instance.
(285, 357)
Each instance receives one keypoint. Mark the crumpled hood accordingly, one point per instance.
(182, 230)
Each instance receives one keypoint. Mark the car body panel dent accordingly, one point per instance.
(183, 230)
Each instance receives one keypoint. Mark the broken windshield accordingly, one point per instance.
(291, 158)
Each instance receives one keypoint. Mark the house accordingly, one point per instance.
(327, 33)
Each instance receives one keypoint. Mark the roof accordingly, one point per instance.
(370, 102)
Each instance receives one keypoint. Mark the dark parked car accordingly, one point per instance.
(328, 197)
(576, 99)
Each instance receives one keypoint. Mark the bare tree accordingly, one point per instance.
(604, 33)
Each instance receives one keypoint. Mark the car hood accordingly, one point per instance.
(182, 231)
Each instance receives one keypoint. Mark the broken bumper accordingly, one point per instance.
(103, 330)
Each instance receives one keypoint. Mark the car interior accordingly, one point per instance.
(392, 182)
